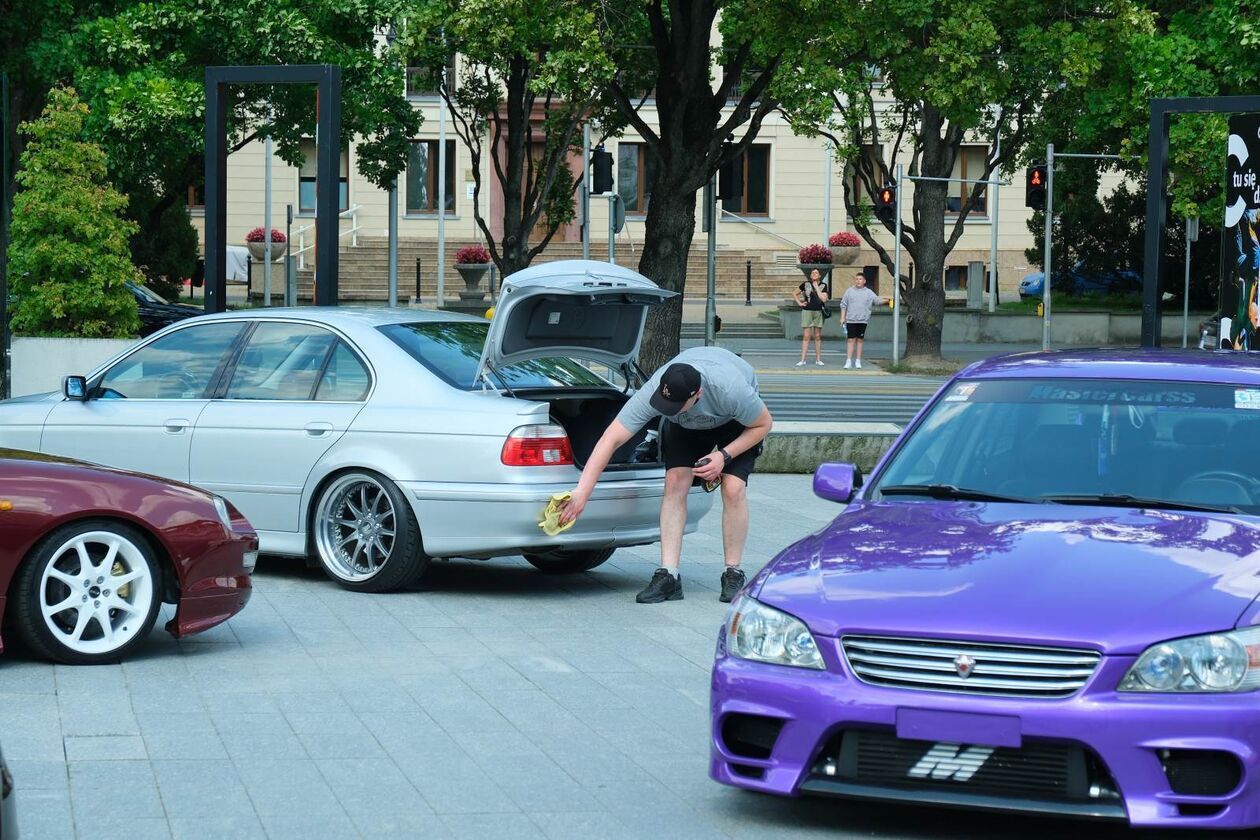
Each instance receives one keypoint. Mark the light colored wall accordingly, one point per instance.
(39, 364)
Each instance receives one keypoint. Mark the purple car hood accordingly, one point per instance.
(1114, 579)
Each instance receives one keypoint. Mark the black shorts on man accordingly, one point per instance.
(682, 447)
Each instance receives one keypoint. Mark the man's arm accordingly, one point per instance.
(752, 435)
(614, 437)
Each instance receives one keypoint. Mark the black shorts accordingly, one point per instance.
(683, 447)
(855, 330)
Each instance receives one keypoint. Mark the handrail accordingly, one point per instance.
(352, 213)
(751, 223)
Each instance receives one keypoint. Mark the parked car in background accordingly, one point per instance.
(156, 311)
(88, 555)
(1077, 281)
(1044, 599)
(376, 440)
(8, 809)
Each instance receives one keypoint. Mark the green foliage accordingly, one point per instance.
(166, 251)
(68, 254)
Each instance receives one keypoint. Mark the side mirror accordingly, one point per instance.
(74, 388)
(837, 482)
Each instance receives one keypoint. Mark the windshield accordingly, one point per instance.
(452, 350)
(1075, 441)
(146, 293)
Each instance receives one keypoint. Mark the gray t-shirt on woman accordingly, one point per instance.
(728, 391)
(857, 304)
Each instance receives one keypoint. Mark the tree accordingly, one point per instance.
(531, 75)
(933, 75)
(140, 66)
(665, 52)
(68, 255)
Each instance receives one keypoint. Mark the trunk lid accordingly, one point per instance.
(579, 309)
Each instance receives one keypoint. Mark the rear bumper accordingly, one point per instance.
(490, 520)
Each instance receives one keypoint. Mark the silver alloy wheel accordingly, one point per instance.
(95, 592)
(355, 527)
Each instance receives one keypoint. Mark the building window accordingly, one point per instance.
(635, 171)
(308, 172)
(956, 278)
(860, 195)
(746, 80)
(968, 164)
(197, 196)
(422, 177)
(425, 81)
(754, 164)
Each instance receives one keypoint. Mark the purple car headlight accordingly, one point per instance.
(1221, 662)
(764, 634)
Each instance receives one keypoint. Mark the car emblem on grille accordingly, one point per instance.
(964, 665)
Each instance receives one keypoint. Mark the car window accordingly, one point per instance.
(345, 379)
(178, 366)
(1178, 442)
(281, 361)
(452, 350)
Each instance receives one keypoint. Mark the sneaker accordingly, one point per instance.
(820, 363)
(848, 363)
(858, 364)
(801, 363)
(662, 587)
(732, 581)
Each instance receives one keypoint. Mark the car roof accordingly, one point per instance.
(1151, 363)
(346, 317)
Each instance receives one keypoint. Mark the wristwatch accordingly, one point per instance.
(725, 455)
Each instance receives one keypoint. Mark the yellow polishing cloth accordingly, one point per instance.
(550, 522)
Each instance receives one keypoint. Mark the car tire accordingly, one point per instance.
(365, 534)
(569, 562)
(88, 593)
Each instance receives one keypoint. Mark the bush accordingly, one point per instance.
(814, 255)
(165, 248)
(844, 239)
(68, 252)
(472, 254)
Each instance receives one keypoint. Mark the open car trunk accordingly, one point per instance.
(585, 414)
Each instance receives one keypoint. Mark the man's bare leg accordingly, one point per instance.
(674, 516)
(734, 519)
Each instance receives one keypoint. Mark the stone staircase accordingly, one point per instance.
(364, 270)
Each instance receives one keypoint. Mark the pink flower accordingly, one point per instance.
(472, 254)
(259, 235)
(814, 255)
(844, 239)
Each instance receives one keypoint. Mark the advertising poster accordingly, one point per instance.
(1240, 252)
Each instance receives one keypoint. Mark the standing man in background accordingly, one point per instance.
(714, 424)
(855, 314)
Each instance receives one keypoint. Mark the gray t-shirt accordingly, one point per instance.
(728, 391)
(857, 304)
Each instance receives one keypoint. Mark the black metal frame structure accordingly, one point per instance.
(1157, 196)
(6, 204)
(328, 159)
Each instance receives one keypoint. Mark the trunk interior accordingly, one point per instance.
(585, 413)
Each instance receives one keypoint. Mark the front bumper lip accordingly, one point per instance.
(1125, 732)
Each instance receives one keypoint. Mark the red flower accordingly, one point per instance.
(259, 235)
(844, 239)
(472, 254)
(814, 255)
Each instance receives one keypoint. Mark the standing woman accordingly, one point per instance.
(810, 296)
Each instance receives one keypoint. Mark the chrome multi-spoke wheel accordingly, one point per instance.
(89, 592)
(365, 533)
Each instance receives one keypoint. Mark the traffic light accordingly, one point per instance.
(886, 202)
(1035, 187)
(601, 171)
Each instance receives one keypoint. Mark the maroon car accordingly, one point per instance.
(89, 554)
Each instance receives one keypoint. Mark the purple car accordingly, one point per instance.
(1043, 599)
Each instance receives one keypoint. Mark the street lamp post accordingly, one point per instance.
(391, 36)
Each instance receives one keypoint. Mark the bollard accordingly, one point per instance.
(747, 282)
(417, 280)
(249, 277)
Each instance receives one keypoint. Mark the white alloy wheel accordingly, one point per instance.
(88, 593)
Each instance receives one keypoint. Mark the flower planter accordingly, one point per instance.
(845, 254)
(258, 250)
(823, 268)
(472, 274)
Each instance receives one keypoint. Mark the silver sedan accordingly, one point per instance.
(377, 440)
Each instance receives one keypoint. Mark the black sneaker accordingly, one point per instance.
(732, 581)
(662, 587)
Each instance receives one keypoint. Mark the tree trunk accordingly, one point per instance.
(925, 300)
(666, 244)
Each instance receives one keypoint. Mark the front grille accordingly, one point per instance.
(1042, 771)
(940, 665)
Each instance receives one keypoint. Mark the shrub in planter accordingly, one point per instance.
(844, 247)
(256, 241)
(814, 256)
(69, 258)
(472, 255)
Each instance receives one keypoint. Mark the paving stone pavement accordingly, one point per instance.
(491, 702)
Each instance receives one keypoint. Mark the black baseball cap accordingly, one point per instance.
(679, 383)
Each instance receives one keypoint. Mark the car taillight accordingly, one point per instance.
(538, 446)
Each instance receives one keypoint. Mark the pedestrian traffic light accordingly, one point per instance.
(886, 202)
(601, 171)
(1035, 187)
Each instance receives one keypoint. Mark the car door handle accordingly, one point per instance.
(177, 426)
(318, 429)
